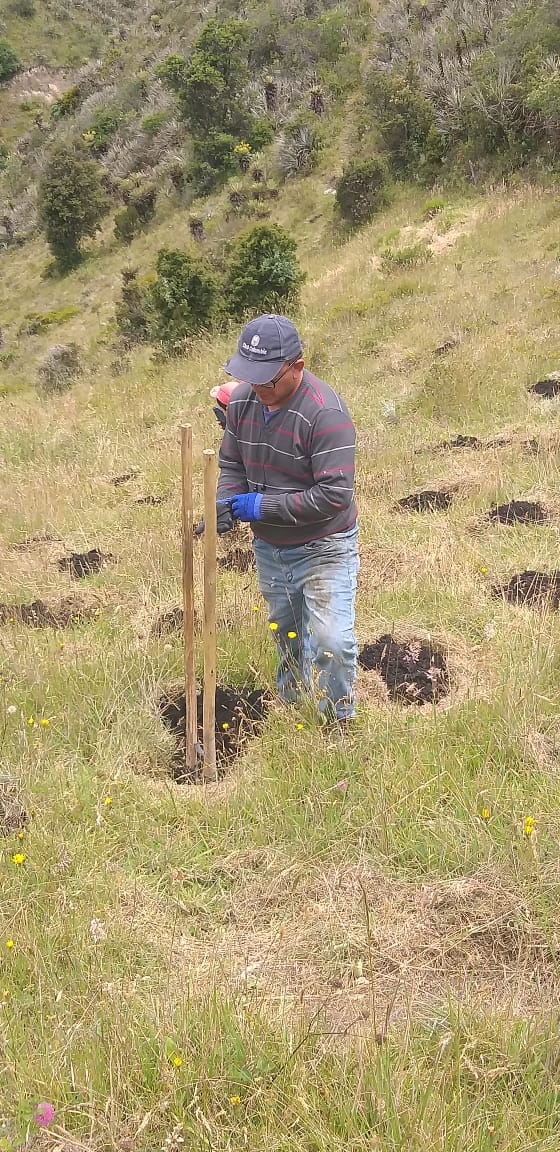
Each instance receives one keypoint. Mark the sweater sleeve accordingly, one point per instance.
(332, 455)
(232, 478)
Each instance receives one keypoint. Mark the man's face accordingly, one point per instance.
(282, 387)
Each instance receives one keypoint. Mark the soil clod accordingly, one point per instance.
(518, 512)
(547, 388)
(124, 478)
(168, 622)
(426, 501)
(531, 588)
(415, 672)
(41, 615)
(239, 717)
(13, 816)
(81, 564)
(238, 560)
(152, 500)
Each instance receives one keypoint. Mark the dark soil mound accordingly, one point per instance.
(126, 476)
(238, 560)
(548, 388)
(427, 501)
(153, 500)
(518, 512)
(415, 673)
(531, 588)
(80, 564)
(40, 615)
(36, 541)
(462, 442)
(168, 622)
(239, 717)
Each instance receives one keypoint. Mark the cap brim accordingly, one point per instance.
(252, 371)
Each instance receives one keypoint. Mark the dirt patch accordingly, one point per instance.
(239, 717)
(13, 816)
(461, 442)
(81, 564)
(41, 615)
(124, 478)
(238, 560)
(168, 622)
(415, 671)
(429, 500)
(154, 501)
(36, 541)
(447, 346)
(518, 512)
(540, 588)
(547, 388)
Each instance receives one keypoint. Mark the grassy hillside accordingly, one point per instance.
(347, 943)
(341, 944)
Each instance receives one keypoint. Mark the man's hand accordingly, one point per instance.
(247, 507)
(225, 521)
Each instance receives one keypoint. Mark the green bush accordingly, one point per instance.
(132, 310)
(127, 224)
(393, 259)
(211, 84)
(66, 104)
(362, 191)
(103, 127)
(10, 62)
(299, 146)
(404, 117)
(430, 208)
(185, 299)
(263, 271)
(151, 124)
(71, 202)
(214, 160)
(36, 322)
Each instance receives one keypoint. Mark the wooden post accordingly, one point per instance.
(188, 600)
(209, 627)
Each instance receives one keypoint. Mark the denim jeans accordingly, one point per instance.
(310, 590)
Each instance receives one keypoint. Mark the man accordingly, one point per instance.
(221, 394)
(287, 468)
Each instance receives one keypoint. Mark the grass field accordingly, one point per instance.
(344, 944)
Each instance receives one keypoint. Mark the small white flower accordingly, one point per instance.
(11, 709)
(98, 931)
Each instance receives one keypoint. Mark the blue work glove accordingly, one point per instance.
(247, 506)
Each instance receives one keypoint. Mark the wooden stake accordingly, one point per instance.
(209, 627)
(188, 600)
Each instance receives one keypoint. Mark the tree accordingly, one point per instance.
(10, 62)
(264, 273)
(72, 202)
(185, 298)
(361, 190)
(210, 85)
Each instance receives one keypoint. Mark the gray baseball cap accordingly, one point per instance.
(264, 345)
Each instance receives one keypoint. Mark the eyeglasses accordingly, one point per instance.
(276, 379)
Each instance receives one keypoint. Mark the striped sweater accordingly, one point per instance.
(301, 459)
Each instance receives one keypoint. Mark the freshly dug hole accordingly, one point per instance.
(124, 478)
(41, 615)
(415, 672)
(541, 588)
(426, 501)
(81, 564)
(152, 501)
(518, 512)
(548, 388)
(239, 717)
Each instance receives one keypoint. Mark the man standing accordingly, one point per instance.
(287, 468)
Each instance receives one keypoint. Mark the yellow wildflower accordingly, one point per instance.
(31, 721)
(528, 826)
(255, 607)
(484, 813)
(108, 800)
(225, 726)
(20, 835)
(273, 627)
(292, 635)
(299, 727)
(18, 858)
(9, 943)
(44, 722)
(235, 1100)
(484, 570)
(177, 1061)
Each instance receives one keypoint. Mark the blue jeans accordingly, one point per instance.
(310, 590)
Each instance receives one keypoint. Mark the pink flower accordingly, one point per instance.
(342, 785)
(44, 1115)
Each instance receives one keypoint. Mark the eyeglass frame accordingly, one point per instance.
(276, 379)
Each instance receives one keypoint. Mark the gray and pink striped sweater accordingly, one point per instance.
(301, 458)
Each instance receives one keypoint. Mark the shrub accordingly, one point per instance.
(36, 322)
(185, 298)
(404, 117)
(127, 224)
(152, 124)
(431, 207)
(59, 368)
(142, 198)
(361, 191)
(211, 84)
(103, 127)
(213, 161)
(263, 272)
(71, 203)
(132, 310)
(393, 259)
(298, 148)
(23, 8)
(10, 62)
(66, 104)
